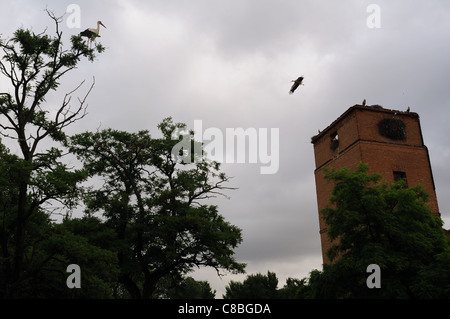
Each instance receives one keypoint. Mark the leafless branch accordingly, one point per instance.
(64, 116)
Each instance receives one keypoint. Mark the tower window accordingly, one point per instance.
(398, 176)
(334, 141)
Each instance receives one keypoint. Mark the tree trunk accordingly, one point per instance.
(22, 213)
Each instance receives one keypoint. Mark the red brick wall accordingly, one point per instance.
(387, 158)
(350, 158)
(368, 126)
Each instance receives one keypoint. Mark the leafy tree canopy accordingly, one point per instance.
(372, 222)
(256, 286)
(154, 204)
(259, 286)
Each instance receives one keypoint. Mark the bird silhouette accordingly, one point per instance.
(296, 84)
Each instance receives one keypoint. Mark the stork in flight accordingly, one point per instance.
(91, 33)
(296, 84)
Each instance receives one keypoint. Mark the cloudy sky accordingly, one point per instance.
(230, 63)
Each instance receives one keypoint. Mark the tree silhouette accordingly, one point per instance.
(35, 64)
(154, 204)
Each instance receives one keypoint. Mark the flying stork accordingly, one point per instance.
(91, 33)
(296, 84)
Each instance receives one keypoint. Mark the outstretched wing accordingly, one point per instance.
(294, 87)
(296, 84)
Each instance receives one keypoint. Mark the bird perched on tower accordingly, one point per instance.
(91, 33)
(296, 84)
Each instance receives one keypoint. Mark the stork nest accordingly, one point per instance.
(392, 128)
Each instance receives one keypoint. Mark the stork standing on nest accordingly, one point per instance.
(91, 33)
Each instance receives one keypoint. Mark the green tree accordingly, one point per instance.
(256, 286)
(294, 289)
(193, 289)
(183, 288)
(372, 222)
(51, 248)
(153, 203)
(35, 64)
(59, 247)
(86, 242)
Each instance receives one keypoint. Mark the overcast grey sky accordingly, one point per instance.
(230, 63)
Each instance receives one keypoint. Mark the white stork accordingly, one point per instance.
(91, 33)
(296, 84)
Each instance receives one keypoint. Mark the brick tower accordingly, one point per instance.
(389, 141)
